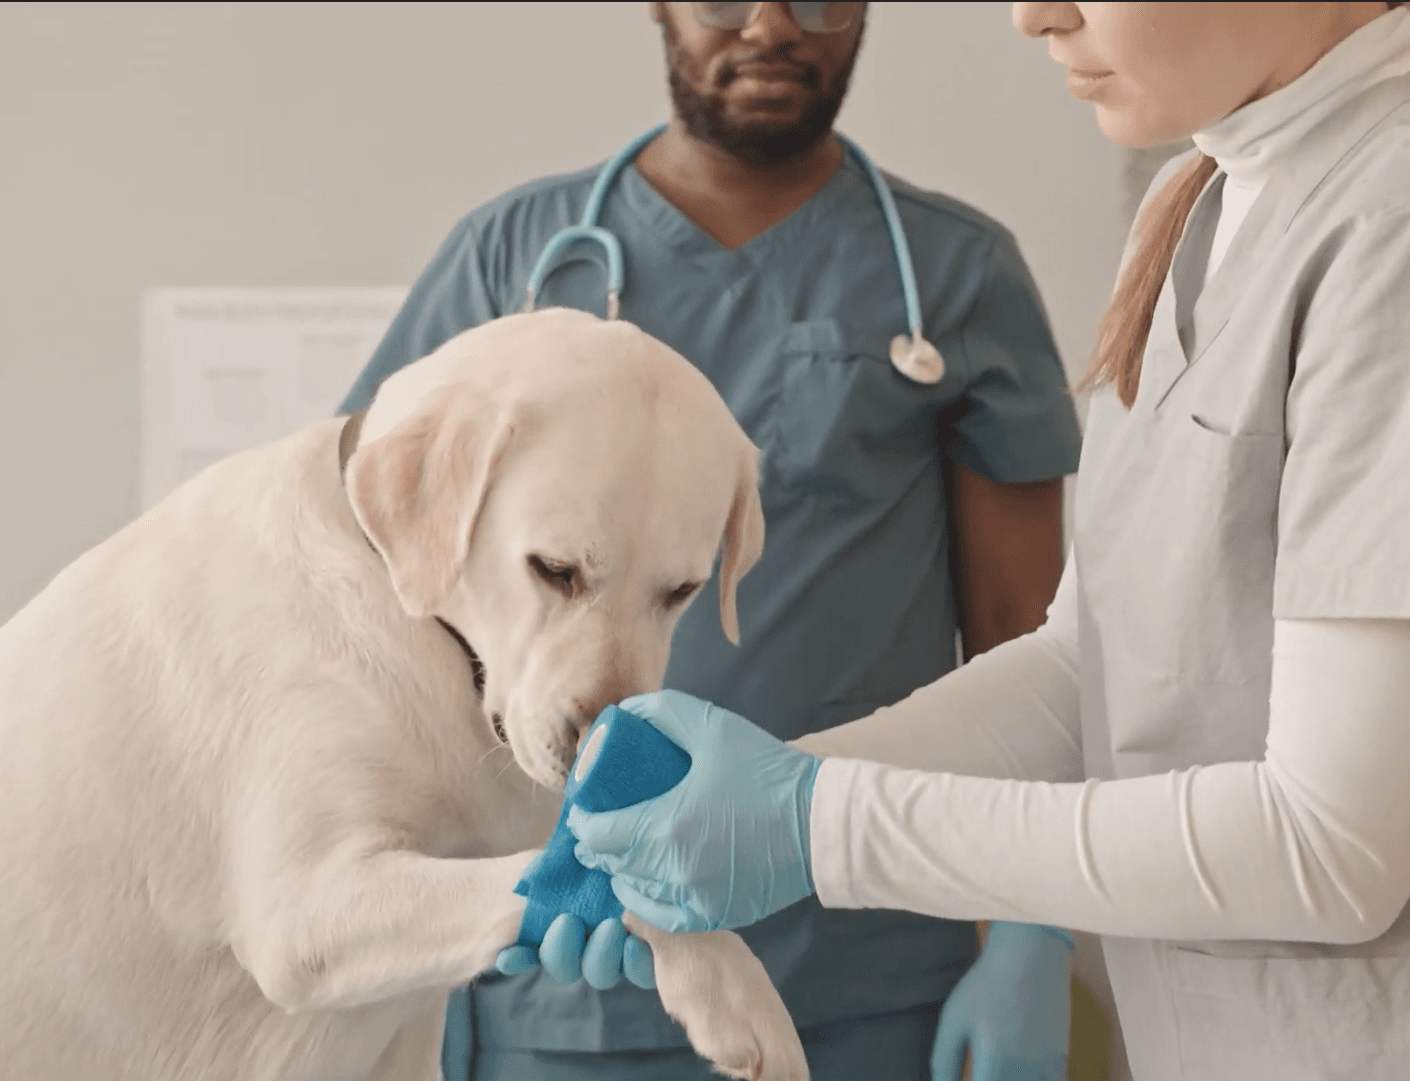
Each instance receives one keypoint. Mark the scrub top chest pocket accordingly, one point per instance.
(838, 423)
(1177, 541)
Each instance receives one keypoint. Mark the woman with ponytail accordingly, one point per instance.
(1204, 754)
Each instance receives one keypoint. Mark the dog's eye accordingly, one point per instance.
(561, 576)
(682, 593)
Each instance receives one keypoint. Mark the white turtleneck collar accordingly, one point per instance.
(1249, 143)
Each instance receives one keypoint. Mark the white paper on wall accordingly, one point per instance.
(224, 369)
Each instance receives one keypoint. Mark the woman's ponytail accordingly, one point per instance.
(1121, 342)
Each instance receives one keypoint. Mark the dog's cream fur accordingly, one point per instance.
(255, 821)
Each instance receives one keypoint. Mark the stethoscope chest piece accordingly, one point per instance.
(917, 359)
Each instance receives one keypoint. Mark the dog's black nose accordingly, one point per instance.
(499, 731)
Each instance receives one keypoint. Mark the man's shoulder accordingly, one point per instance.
(943, 212)
(560, 195)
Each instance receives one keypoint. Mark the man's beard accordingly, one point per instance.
(758, 144)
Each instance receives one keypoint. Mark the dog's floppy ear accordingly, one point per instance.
(418, 490)
(744, 543)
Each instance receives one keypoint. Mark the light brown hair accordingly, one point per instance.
(1121, 341)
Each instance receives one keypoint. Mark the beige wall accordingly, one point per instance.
(329, 144)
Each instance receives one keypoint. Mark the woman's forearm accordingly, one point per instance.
(1306, 845)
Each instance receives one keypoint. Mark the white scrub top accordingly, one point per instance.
(1262, 475)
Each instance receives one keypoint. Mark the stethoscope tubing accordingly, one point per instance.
(914, 357)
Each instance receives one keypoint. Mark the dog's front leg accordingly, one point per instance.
(720, 993)
(370, 927)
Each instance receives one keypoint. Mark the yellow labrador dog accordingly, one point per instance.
(261, 808)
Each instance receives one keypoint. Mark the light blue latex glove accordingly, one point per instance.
(568, 954)
(1012, 1011)
(724, 848)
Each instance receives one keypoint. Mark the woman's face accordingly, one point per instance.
(1160, 72)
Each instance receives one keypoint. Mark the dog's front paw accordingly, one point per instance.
(717, 989)
(498, 926)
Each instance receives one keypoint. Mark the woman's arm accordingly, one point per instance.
(1306, 845)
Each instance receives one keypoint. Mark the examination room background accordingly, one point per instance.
(245, 144)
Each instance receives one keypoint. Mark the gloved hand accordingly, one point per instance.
(568, 954)
(1012, 1011)
(726, 846)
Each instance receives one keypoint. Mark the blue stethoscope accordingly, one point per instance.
(912, 355)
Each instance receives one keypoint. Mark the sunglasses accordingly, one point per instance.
(812, 18)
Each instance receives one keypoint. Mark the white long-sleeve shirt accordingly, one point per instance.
(1310, 844)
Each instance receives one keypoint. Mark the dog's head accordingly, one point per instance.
(557, 488)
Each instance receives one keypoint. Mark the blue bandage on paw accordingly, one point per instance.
(624, 760)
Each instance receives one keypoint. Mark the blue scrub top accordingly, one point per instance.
(850, 607)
